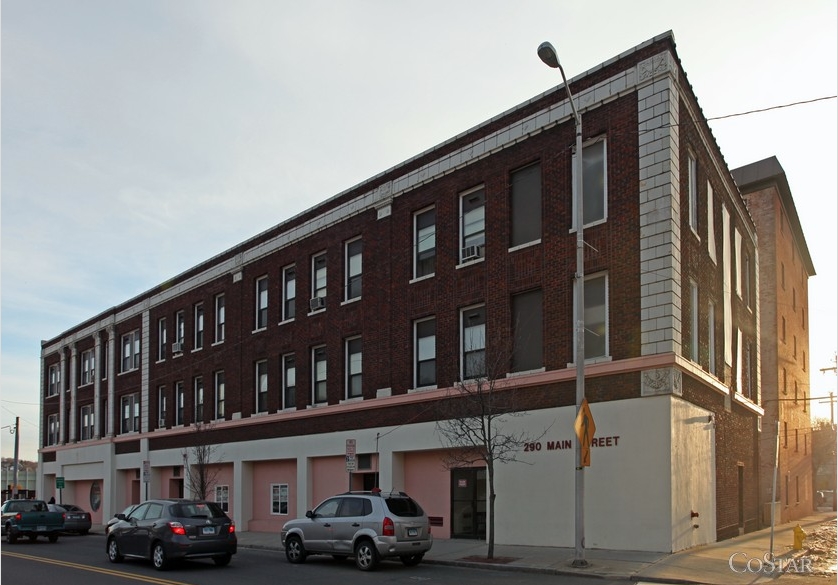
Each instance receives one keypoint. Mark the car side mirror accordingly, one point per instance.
(119, 516)
(310, 514)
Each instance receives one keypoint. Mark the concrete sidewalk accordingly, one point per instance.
(708, 564)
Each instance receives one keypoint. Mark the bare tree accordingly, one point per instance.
(201, 472)
(472, 424)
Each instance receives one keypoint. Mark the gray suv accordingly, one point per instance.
(367, 525)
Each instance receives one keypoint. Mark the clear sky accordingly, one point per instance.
(140, 137)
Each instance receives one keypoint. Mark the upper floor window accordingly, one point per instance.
(131, 351)
(711, 338)
(424, 344)
(711, 226)
(594, 183)
(198, 399)
(692, 190)
(354, 369)
(319, 378)
(289, 292)
(289, 381)
(527, 331)
(52, 430)
(473, 342)
(198, 326)
(693, 321)
(180, 332)
(525, 206)
(354, 268)
(161, 339)
(472, 224)
(86, 422)
(262, 386)
(87, 367)
(162, 403)
(130, 413)
(219, 395)
(596, 316)
(220, 318)
(261, 302)
(424, 243)
(737, 256)
(179, 400)
(318, 282)
(54, 384)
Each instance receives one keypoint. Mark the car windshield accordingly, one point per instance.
(405, 507)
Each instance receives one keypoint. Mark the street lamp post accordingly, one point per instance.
(548, 55)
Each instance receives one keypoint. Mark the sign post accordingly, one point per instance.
(351, 462)
(59, 485)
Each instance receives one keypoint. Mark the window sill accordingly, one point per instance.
(593, 224)
(350, 301)
(526, 372)
(197, 349)
(596, 360)
(259, 330)
(470, 263)
(218, 343)
(317, 312)
(287, 321)
(422, 389)
(421, 278)
(352, 399)
(522, 246)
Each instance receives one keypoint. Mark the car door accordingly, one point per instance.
(128, 533)
(318, 532)
(348, 522)
(147, 527)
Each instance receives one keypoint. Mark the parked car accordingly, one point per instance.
(367, 525)
(30, 518)
(166, 530)
(126, 512)
(75, 519)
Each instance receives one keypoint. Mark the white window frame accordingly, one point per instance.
(179, 403)
(198, 327)
(198, 399)
(53, 430)
(424, 243)
(353, 251)
(692, 191)
(289, 292)
(711, 337)
(88, 367)
(180, 327)
(129, 405)
(472, 227)
(162, 403)
(587, 190)
(354, 366)
(130, 351)
(261, 385)
(86, 422)
(162, 339)
(320, 375)
(54, 382)
(694, 321)
(319, 277)
(711, 225)
(289, 380)
(472, 342)
(588, 327)
(220, 318)
(422, 348)
(279, 499)
(219, 392)
(222, 497)
(261, 305)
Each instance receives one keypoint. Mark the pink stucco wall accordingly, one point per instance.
(265, 474)
(428, 482)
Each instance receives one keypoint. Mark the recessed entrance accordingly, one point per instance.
(468, 502)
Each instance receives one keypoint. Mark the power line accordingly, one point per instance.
(829, 97)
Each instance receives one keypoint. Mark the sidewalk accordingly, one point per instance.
(708, 564)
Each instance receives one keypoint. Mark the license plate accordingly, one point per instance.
(208, 530)
(41, 529)
(413, 532)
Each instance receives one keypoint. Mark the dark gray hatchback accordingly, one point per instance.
(166, 530)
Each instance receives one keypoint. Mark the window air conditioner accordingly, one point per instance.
(472, 253)
(317, 303)
(177, 347)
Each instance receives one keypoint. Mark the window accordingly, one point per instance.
(783, 329)
(198, 399)
(473, 342)
(222, 497)
(52, 429)
(318, 281)
(525, 206)
(131, 351)
(318, 379)
(796, 442)
(161, 407)
(783, 275)
(130, 413)
(785, 434)
(711, 226)
(795, 392)
(596, 316)
(527, 331)
(793, 299)
(54, 384)
(737, 250)
(220, 318)
(354, 370)
(261, 303)
(746, 279)
(711, 338)
(289, 292)
(219, 395)
(161, 339)
(180, 332)
(279, 498)
(354, 268)
(178, 403)
(289, 381)
(198, 338)
(692, 190)
(262, 386)
(425, 349)
(785, 381)
(424, 243)
(693, 321)
(86, 422)
(472, 224)
(594, 183)
(87, 367)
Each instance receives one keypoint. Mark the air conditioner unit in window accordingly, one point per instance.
(161, 423)
(177, 347)
(317, 303)
(472, 253)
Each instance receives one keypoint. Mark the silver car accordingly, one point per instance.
(368, 526)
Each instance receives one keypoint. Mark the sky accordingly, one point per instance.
(142, 137)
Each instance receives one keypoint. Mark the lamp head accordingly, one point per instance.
(548, 54)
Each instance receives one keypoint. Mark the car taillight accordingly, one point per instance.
(17, 517)
(389, 529)
(232, 527)
(177, 528)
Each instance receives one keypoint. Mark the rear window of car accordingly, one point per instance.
(405, 507)
(198, 510)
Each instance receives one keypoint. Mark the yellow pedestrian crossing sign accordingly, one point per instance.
(585, 429)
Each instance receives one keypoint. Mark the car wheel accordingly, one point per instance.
(295, 552)
(114, 555)
(53, 538)
(366, 555)
(158, 556)
(11, 537)
(222, 560)
(411, 560)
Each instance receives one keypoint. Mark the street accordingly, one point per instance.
(81, 560)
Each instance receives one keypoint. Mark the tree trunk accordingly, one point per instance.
(490, 470)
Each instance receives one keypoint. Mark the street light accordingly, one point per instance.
(548, 54)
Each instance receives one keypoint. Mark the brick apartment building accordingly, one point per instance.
(785, 266)
(354, 320)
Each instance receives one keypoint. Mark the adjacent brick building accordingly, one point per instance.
(356, 318)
